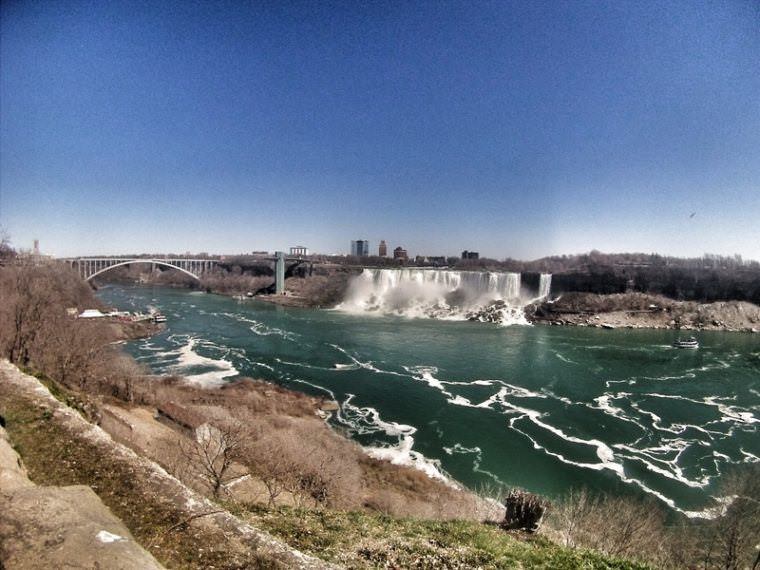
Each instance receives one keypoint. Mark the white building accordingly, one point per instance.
(91, 314)
(299, 250)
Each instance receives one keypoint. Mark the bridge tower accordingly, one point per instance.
(279, 272)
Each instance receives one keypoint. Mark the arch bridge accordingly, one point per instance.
(89, 267)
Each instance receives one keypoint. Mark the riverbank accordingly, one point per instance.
(321, 350)
(127, 510)
(152, 510)
(639, 310)
(289, 300)
(328, 285)
(133, 330)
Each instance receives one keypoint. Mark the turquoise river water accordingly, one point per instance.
(544, 408)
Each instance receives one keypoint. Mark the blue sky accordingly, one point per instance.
(517, 129)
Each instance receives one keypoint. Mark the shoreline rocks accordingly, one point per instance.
(638, 310)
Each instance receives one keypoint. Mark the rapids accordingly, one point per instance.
(544, 408)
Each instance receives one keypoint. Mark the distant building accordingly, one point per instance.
(36, 247)
(299, 250)
(382, 251)
(470, 254)
(360, 248)
(260, 253)
(91, 314)
(400, 253)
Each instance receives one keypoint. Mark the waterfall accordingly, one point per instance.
(544, 285)
(435, 293)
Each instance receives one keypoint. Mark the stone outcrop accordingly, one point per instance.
(37, 530)
(12, 472)
(59, 527)
(66, 527)
(639, 310)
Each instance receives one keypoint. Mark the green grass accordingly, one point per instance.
(64, 395)
(366, 540)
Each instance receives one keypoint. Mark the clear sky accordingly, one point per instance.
(517, 129)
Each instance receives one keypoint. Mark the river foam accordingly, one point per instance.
(597, 406)
(364, 420)
(662, 459)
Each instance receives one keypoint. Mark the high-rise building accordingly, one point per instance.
(36, 247)
(360, 248)
(470, 254)
(400, 253)
(382, 251)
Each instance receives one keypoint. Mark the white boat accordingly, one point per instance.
(690, 342)
(159, 318)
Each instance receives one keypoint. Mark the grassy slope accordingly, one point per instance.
(367, 540)
(54, 456)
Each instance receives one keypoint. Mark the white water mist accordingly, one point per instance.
(544, 285)
(438, 293)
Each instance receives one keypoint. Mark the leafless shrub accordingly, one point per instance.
(170, 455)
(572, 515)
(324, 479)
(70, 351)
(274, 468)
(211, 453)
(732, 541)
(524, 511)
(27, 299)
(489, 506)
(36, 330)
(125, 377)
(386, 501)
(617, 526)
(7, 253)
(306, 464)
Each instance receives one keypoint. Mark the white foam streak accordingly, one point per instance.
(403, 454)
(459, 449)
(261, 329)
(366, 365)
(673, 471)
(751, 458)
(188, 358)
(367, 420)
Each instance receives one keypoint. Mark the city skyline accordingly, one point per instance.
(513, 129)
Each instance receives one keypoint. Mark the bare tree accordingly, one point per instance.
(273, 467)
(617, 526)
(27, 300)
(71, 351)
(571, 514)
(732, 541)
(7, 252)
(317, 478)
(212, 452)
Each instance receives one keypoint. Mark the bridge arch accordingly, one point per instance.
(138, 260)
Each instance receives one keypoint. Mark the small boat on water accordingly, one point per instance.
(690, 342)
(159, 318)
